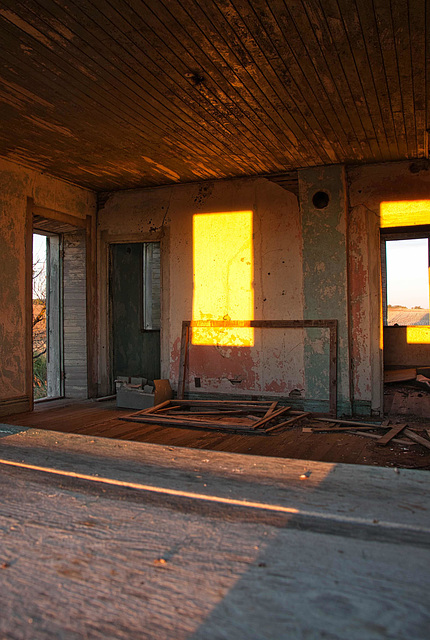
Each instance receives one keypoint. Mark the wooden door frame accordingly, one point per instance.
(89, 224)
(105, 313)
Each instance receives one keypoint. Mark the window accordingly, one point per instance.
(151, 295)
(405, 277)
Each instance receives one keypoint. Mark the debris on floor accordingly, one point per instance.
(140, 393)
(243, 416)
(386, 432)
(399, 375)
(271, 418)
(424, 382)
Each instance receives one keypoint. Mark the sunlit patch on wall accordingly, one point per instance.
(223, 264)
(418, 335)
(405, 213)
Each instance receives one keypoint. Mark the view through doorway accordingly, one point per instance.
(407, 282)
(47, 321)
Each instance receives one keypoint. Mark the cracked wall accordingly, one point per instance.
(16, 184)
(274, 364)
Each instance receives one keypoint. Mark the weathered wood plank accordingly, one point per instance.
(417, 438)
(392, 433)
(288, 95)
(288, 422)
(337, 22)
(238, 476)
(210, 89)
(110, 70)
(375, 63)
(117, 563)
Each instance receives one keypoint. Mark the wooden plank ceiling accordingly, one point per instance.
(114, 94)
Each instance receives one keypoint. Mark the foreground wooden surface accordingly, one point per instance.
(103, 538)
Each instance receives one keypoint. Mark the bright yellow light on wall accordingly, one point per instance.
(223, 276)
(418, 335)
(405, 213)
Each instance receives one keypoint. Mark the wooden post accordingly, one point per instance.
(29, 303)
(183, 360)
(91, 304)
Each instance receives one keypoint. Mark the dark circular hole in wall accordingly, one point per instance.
(320, 199)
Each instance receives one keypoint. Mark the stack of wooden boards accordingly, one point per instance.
(243, 416)
(399, 433)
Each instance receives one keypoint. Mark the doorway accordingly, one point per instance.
(47, 316)
(135, 300)
(406, 298)
(406, 277)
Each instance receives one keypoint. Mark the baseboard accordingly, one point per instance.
(14, 405)
(303, 404)
(362, 408)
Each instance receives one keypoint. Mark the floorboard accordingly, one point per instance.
(102, 538)
(102, 419)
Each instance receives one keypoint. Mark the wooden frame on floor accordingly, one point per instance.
(264, 324)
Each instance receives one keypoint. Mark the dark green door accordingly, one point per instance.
(135, 299)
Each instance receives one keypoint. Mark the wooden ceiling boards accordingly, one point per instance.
(116, 94)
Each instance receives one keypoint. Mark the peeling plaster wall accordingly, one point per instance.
(312, 263)
(275, 363)
(325, 277)
(368, 187)
(16, 184)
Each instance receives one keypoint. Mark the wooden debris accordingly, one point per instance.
(221, 415)
(271, 408)
(288, 422)
(375, 435)
(354, 423)
(275, 414)
(394, 431)
(163, 391)
(361, 428)
(414, 436)
(339, 428)
(400, 375)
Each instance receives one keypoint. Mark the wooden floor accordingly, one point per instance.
(102, 419)
(106, 539)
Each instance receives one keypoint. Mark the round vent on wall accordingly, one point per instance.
(320, 199)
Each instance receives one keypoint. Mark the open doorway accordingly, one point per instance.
(135, 300)
(407, 282)
(406, 331)
(47, 316)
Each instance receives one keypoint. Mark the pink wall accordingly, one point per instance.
(368, 187)
(275, 363)
(16, 184)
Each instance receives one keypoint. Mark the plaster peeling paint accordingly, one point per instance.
(369, 186)
(16, 184)
(277, 250)
(325, 289)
